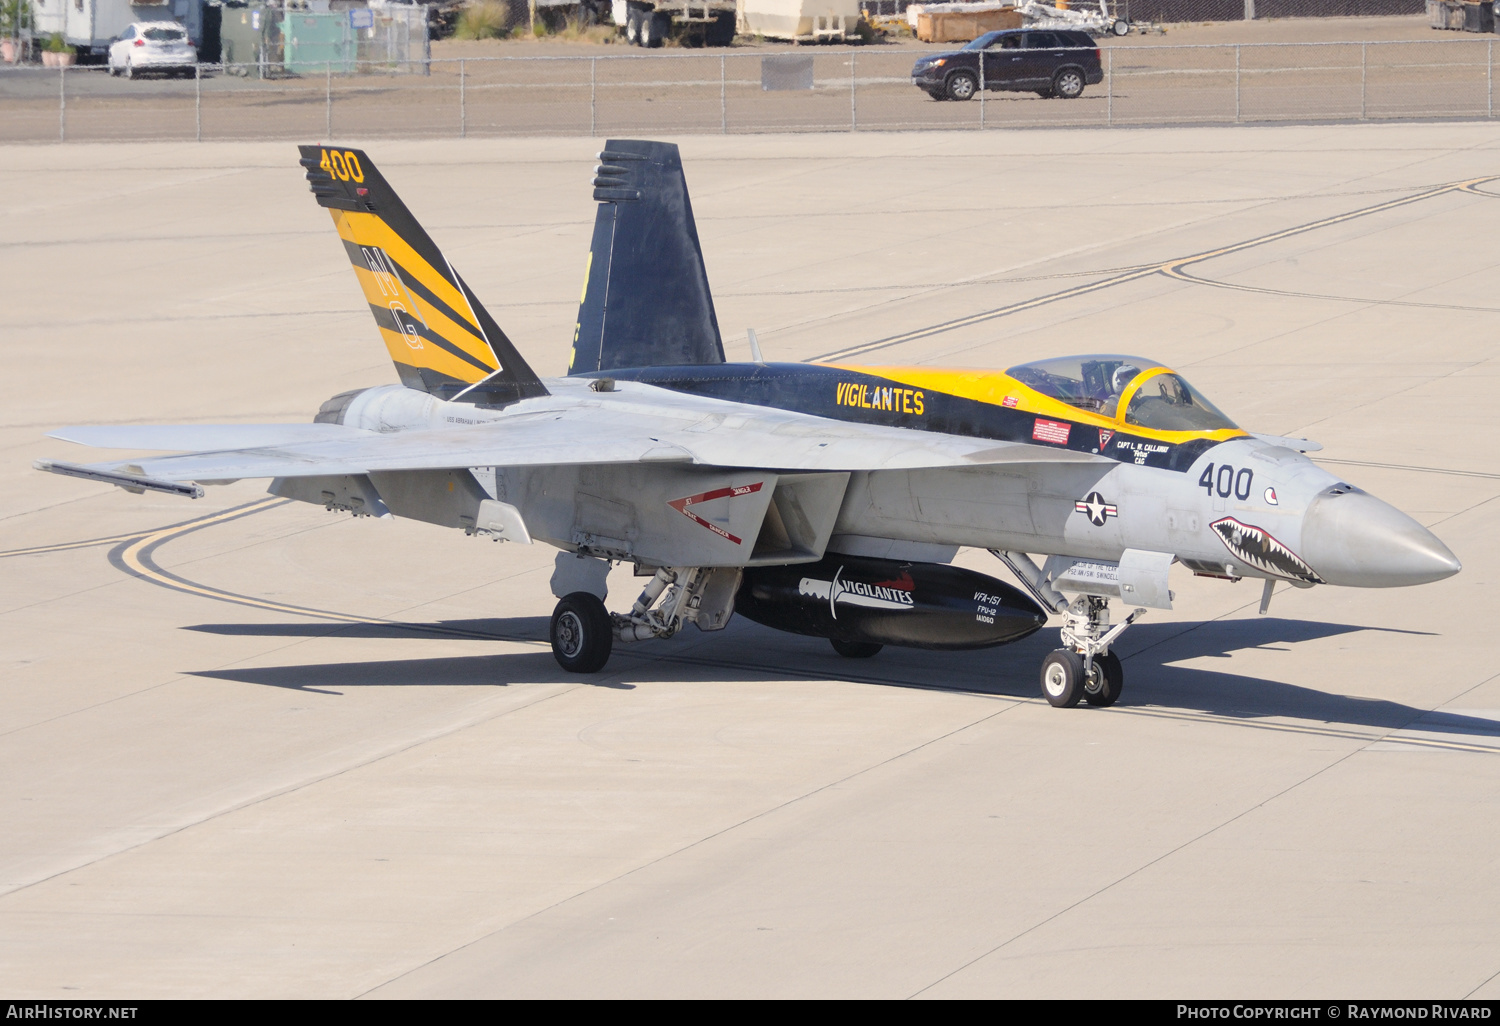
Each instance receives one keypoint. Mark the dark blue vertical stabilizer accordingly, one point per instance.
(646, 301)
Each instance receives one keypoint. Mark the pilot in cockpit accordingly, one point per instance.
(1118, 381)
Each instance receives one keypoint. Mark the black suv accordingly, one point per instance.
(1048, 62)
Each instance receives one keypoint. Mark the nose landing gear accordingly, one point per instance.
(1085, 669)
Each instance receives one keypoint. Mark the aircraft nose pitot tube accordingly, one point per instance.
(1352, 538)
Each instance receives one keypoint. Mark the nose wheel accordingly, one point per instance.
(1106, 678)
(1062, 678)
(1085, 670)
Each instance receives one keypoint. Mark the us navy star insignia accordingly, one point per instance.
(1096, 509)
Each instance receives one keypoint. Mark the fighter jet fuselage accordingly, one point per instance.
(1224, 503)
(823, 499)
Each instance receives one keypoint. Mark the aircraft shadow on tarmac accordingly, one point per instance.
(516, 628)
(746, 652)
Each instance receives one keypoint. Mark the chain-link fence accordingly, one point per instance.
(829, 90)
(1177, 11)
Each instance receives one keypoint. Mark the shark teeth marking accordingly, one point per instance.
(1256, 548)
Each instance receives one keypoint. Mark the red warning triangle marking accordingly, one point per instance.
(681, 505)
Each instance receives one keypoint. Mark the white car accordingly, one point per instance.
(152, 46)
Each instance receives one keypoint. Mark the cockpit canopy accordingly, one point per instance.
(1154, 396)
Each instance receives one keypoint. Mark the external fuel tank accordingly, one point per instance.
(887, 602)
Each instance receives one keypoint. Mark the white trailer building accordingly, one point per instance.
(90, 25)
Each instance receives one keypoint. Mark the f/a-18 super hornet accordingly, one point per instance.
(821, 499)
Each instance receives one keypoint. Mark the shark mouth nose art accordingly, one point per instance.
(1256, 548)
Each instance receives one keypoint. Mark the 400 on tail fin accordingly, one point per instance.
(440, 337)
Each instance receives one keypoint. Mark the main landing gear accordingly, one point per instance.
(1085, 669)
(583, 632)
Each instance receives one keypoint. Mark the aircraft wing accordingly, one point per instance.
(554, 433)
(200, 437)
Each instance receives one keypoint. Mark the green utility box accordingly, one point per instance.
(318, 42)
(250, 41)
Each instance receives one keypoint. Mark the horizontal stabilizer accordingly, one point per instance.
(201, 437)
(646, 301)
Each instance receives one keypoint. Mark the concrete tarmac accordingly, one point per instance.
(254, 748)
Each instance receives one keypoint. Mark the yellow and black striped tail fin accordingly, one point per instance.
(439, 335)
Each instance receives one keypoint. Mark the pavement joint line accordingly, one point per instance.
(1401, 466)
(1244, 206)
(190, 317)
(1141, 869)
(274, 793)
(898, 286)
(814, 675)
(1334, 732)
(1465, 510)
(1420, 383)
(1154, 713)
(1294, 728)
(1492, 977)
(1290, 294)
(788, 803)
(1168, 268)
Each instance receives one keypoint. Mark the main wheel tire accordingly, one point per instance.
(633, 27)
(1062, 677)
(581, 633)
(855, 649)
(1103, 685)
(1068, 84)
(1121, 27)
(962, 85)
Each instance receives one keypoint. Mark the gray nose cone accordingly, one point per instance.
(1354, 539)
